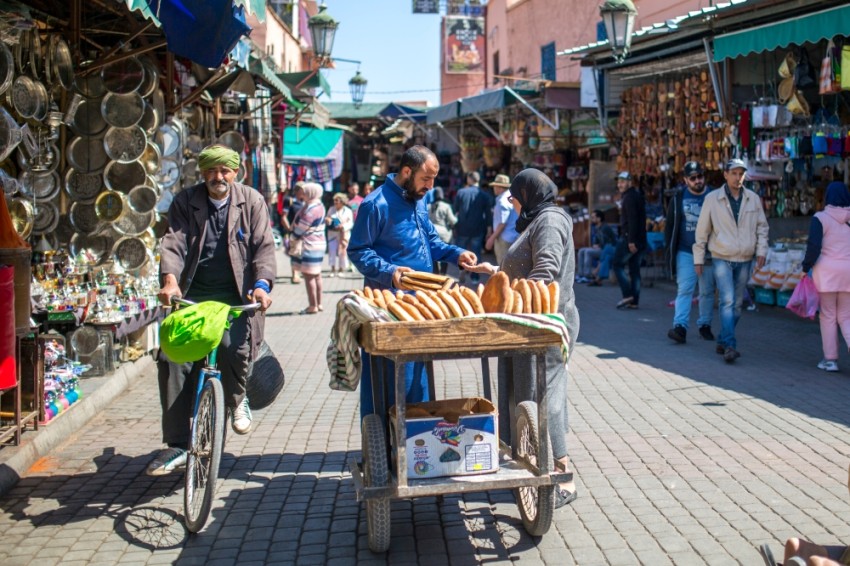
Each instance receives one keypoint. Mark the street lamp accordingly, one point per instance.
(619, 18)
(322, 30)
(357, 84)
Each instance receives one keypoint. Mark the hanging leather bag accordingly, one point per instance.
(803, 76)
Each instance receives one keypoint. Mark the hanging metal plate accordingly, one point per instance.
(133, 223)
(123, 110)
(62, 66)
(150, 120)
(83, 217)
(25, 97)
(110, 206)
(123, 77)
(130, 253)
(151, 81)
(169, 173)
(233, 140)
(7, 68)
(88, 119)
(124, 176)
(142, 199)
(83, 187)
(46, 218)
(125, 144)
(95, 245)
(168, 138)
(22, 215)
(40, 186)
(87, 154)
(90, 86)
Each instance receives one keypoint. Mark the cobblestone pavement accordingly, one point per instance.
(680, 458)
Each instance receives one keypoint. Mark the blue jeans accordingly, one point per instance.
(605, 259)
(731, 278)
(416, 383)
(629, 286)
(686, 278)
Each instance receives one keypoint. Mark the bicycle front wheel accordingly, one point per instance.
(204, 455)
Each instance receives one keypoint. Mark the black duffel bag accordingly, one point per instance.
(265, 379)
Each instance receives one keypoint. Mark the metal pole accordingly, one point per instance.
(715, 83)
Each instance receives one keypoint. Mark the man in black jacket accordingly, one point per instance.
(632, 243)
(679, 238)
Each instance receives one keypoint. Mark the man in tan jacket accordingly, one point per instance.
(733, 226)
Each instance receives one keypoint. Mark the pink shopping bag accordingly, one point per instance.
(805, 300)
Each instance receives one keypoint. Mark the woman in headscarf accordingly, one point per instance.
(443, 218)
(339, 220)
(828, 256)
(543, 251)
(309, 226)
(292, 204)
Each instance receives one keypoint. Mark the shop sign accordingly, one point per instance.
(464, 45)
(426, 7)
(589, 96)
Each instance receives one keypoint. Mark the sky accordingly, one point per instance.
(398, 50)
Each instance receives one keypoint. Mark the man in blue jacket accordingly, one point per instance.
(393, 234)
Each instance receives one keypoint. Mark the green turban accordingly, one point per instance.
(216, 155)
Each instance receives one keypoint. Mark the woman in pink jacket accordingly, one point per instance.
(828, 255)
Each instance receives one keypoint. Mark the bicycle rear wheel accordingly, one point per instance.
(204, 455)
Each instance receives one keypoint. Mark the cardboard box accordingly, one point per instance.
(452, 442)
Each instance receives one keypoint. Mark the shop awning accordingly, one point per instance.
(309, 144)
(203, 31)
(486, 102)
(351, 111)
(309, 79)
(442, 113)
(261, 69)
(803, 29)
(395, 111)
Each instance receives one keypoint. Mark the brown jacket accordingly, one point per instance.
(250, 244)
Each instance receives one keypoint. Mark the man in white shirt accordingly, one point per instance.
(504, 219)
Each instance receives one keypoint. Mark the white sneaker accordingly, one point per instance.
(167, 461)
(828, 365)
(241, 418)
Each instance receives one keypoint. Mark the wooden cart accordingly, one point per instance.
(526, 466)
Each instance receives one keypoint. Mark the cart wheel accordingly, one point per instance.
(376, 474)
(536, 504)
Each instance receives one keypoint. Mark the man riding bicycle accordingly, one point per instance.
(219, 247)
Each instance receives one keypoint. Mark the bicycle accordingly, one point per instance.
(207, 438)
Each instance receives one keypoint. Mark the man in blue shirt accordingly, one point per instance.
(504, 219)
(393, 234)
(679, 236)
(474, 209)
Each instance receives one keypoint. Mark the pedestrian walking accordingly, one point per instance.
(732, 228)
(354, 198)
(393, 234)
(443, 218)
(504, 219)
(679, 238)
(632, 242)
(828, 256)
(474, 209)
(340, 221)
(293, 203)
(309, 227)
(218, 247)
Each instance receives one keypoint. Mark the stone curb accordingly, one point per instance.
(37, 445)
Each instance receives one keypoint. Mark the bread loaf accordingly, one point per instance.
(544, 296)
(426, 300)
(554, 296)
(447, 314)
(473, 299)
(400, 312)
(450, 302)
(464, 304)
(518, 303)
(524, 289)
(498, 295)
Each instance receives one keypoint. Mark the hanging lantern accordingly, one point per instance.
(357, 84)
(322, 30)
(619, 18)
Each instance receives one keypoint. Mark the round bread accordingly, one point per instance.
(544, 296)
(464, 304)
(535, 298)
(473, 299)
(423, 298)
(411, 310)
(447, 314)
(518, 304)
(554, 297)
(525, 292)
(480, 290)
(388, 296)
(497, 295)
(454, 308)
(400, 312)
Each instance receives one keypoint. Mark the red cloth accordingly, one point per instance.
(744, 128)
(8, 373)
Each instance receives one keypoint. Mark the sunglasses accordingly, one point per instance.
(695, 177)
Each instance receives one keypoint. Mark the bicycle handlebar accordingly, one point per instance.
(238, 308)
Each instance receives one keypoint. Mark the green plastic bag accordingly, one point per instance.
(190, 333)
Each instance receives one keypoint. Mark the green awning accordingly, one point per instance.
(309, 144)
(804, 29)
(351, 111)
(261, 69)
(309, 78)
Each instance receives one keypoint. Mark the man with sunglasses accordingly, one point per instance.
(679, 238)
